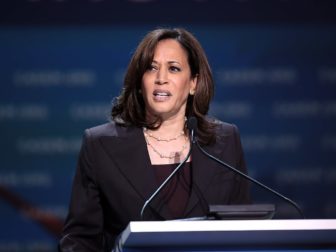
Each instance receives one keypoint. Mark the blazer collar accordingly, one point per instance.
(203, 171)
(128, 151)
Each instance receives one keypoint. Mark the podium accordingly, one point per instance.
(230, 235)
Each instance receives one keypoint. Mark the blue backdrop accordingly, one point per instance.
(277, 83)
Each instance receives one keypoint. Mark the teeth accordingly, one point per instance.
(161, 94)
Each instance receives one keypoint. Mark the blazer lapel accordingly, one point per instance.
(128, 150)
(203, 171)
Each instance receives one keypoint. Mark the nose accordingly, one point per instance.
(161, 77)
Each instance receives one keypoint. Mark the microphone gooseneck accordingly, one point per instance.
(194, 122)
(192, 130)
(252, 180)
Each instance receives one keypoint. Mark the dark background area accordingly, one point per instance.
(102, 12)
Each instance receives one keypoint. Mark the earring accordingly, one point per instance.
(192, 92)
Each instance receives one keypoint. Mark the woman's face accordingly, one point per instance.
(167, 83)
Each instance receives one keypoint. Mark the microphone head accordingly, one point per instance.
(192, 124)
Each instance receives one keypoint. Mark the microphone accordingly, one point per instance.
(193, 122)
(192, 128)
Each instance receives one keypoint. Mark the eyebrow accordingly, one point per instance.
(170, 62)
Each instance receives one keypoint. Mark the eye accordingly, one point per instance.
(152, 67)
(174, 69)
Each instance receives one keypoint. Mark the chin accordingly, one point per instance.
(163, 110)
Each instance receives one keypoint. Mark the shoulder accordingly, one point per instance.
(223, 129)
(109, 129)
(227, 137)
(106, 129)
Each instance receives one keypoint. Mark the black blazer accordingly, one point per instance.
(114, 178)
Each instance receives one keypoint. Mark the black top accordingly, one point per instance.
(177, 192)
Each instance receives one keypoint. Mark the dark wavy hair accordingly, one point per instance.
(129, 107)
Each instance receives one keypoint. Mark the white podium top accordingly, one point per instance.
(232, 234)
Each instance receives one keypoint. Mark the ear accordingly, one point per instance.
(193, 84)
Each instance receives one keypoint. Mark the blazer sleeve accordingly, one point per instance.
(241, 189)
(83, 228)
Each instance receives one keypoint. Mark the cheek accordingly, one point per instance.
(145, 86)
(185, 89)
(183, 95)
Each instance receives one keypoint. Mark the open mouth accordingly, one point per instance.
(158, 93)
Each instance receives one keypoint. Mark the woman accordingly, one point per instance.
(123, 162)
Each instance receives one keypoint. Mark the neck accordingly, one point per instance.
(171, 126)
